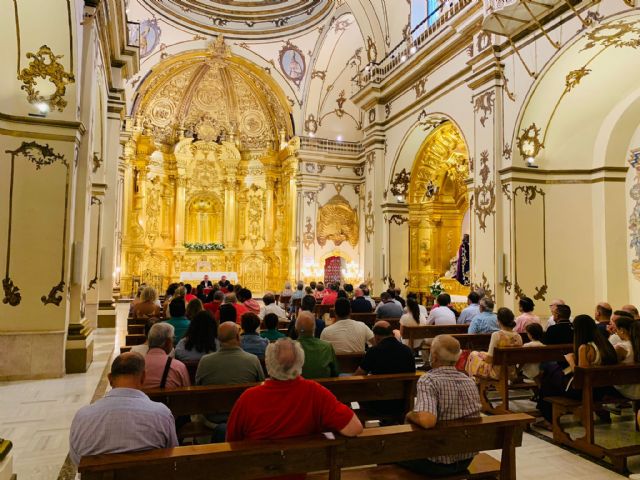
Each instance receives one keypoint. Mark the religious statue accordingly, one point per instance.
(462, 271)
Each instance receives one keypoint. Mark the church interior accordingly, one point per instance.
(410, 152)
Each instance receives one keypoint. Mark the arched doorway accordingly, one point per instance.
(438, 202)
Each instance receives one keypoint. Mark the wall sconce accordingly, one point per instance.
(529, 145)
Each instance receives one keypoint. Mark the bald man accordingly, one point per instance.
(320, 357)
(603, 318)
(287, 405)
(388, 355)
(632, 310)
(444, 393)
(125, 420)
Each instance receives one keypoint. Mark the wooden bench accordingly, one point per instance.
(219, 399)
(267, 458)
(511, 357)
(477, 341)
(349, 362)
(135, 339)
(421, 332)
(587, 379)
(368, 318)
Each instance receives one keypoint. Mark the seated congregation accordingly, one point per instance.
(222, 369)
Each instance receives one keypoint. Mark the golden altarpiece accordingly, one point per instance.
(208, 161)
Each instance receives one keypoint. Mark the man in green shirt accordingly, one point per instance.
(180, 323)
(319, 356)
(272, 334)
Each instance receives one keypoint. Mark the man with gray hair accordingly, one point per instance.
(125, 420)
(443, 393)
(486, 321)
(287, 405)
(162, 370)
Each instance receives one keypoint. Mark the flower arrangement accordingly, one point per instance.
(203, 247)
(436, 288)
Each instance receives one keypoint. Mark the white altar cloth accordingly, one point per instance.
(213, 276)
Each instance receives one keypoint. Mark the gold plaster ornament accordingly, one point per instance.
(337, 222)
(45, 65)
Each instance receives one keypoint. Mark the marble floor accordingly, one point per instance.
(36, 416)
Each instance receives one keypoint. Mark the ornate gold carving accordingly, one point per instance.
(420, 87)
(310, 197)
(615, 34)
(337, 222)
(97, 162)
(573, 78)
(308, 236)
(400, 183)
(429, 122)
(53, 296)
(45, 65)
(485, 196)
(485, 103)
(529, 143)
(372, 50)
(369, 220)
(485, 286)
(397, 219)
(12, 294)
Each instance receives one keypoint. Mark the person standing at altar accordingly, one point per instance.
(206, 283)
(225, 285)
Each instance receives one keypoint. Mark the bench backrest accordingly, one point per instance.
(349, 362)
(212, 399)
(419, 332)
(257, 459)
(608, 375)
(522, 355)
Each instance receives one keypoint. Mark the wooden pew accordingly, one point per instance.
(216, 399)
(349, 362)
(368, 318)
(258, 459)
(135, 339)
(421, 332)
(510, 357)
(478, 341)
(587, 379)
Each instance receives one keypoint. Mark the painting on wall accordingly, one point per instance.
(149, 36)
(292, 63)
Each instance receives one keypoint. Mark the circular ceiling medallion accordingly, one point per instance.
(243, 18)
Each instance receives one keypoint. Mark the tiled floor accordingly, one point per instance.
(36, 416)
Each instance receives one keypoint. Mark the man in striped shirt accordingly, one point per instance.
(443, 394)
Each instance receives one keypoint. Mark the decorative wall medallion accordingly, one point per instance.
(369, 221)
(485, 286)
(541, 293)
(529, 143)
(311, 124)
(430, 122)
(485, 197)
(485, 103)
(506, 190)
(292, 63)
(507, 151)
(518, 291)
(372, 115)
(370, 159)
(483, 41)
(321, 74)
(337, 222)
(149, 36)
(320, 167)
(387, 110)
(400, 183)
(310, 167)
(45, 65)
(359, 170)
(40, 156)
(615, 34)
(308, 236)
(507, 285)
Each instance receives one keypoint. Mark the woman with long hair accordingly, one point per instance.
(147, 306)
(193, 308)
(628, 351)
(590, 347)
(412, 317)
(201, 338)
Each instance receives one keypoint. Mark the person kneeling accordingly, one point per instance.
(444, 393)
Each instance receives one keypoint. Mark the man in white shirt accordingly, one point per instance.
(346, 335)
(270, 306)
(472, 310)
(442, 315)
(552, 307)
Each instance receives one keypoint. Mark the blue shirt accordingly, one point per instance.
(468, 313)
(254, 343)
(484, 322)
(125, 420)
(180, 325)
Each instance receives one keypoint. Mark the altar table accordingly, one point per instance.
(213, 276)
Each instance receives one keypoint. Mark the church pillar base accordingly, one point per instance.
(31, 355)
(79, 349)
(6, 460)
(106, 314)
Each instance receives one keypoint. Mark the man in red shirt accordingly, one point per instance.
(214, 305)
(331, 296)
(287, 405)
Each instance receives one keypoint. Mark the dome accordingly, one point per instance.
(242, 18)
(212, 95)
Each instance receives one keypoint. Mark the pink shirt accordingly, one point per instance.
(523, 320)
(155, 361)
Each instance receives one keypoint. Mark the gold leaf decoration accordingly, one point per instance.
(44, 64)
(338, 222)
